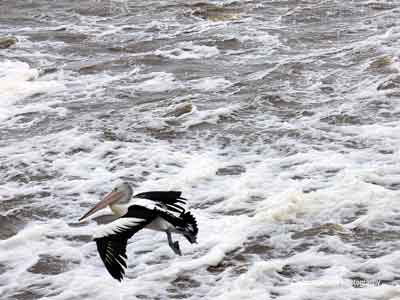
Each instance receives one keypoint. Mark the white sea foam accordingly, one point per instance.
(156, 83)
(19, 81)
(189, 50)
(210, 84)
(219, 235)
(211, 116)
(290, 205)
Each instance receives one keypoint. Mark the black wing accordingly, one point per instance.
(185, 224)
(171, 199)
(111, 239)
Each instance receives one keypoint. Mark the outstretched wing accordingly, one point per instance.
(171, 199)
(112, 238)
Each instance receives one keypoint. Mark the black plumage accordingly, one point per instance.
(172, 200)
(112, 247)
(166, 197)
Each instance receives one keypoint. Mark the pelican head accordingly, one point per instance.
(121, 194)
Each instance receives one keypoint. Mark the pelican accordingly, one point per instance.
(158, 210)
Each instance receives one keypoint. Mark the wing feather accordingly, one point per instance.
(111, 239)
(166, 197)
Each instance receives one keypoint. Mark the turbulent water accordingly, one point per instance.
(279, 121)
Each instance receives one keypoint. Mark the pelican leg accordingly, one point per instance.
(174, 245)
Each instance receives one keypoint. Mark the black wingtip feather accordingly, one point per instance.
(194, 230)
(110, 253)
(167, 197)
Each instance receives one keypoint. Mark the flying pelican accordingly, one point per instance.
(160, 210)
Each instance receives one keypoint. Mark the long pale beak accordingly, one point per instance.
(108, 200)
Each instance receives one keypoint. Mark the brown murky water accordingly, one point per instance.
(277, 119)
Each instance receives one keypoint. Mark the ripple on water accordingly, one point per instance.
(271, 117)
(49, 265)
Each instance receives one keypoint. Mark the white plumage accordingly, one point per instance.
(116, 227)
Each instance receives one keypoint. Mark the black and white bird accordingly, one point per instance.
(157, 210)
